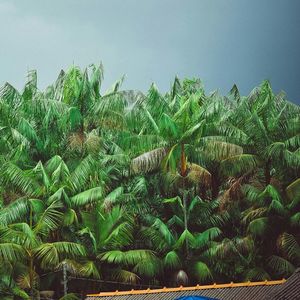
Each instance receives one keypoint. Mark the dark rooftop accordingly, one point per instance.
(264, 290)
(244, 291)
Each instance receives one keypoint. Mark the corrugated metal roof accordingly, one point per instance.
(289, 290)
(243, 291)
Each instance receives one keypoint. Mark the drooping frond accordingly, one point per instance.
(289, 245)
(199, 175)
(293, 190)
(27, 130)
(252, 214)
(51, 254)
(27, 281)
(86, 197)
(202, 239)
(11, 252)
(96, 78)
(280, 266)
(239, 164)
(81, 175)
(172, 260)
(89, 269)
(60, 195)
(130, 257)
(149, 268)
(202, 272)
(20, 234)
(14, 212)
(125, 276)
(40, 172)
(61, 174)
(148, 161)
(222, 150)
(257, 274)
(13, 175)
(113, 197)
(49, 219)
(258, 227)
(119, 236)
(53, 163)
(186, 238)
(159, 234)
(10, 95)
(295, 220)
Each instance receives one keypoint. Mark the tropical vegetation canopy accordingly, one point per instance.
(155, 189)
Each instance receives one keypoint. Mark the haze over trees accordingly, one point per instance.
(155, 189)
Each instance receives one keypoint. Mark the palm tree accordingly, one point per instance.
(23, 250)
(88, 176)
(268, 127)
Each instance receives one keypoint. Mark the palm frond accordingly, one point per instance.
(239, 164)
(41, 172)
(50, 219)
(293, 190)
(61, 174)
(295, 220)
(258, 227)
(89, 269)
(199, 175)
(13, 175)
(70, 217)
(222, 150)
(51, 254)
(130, 257)
(289, 245)
(202, 272)
(202, 239)
(252, 214)
(89, 196)
(14, 212)
(160, 234)
(185, 238)
(11, 252)
(125, 276)
(20, 234)
(10, 94)
(81, 175)
(172, 260)
(257, 274)
(61, 196)
(280, 266)
(148, 161)
(149, 268)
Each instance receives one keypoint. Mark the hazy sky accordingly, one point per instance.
(221, 41)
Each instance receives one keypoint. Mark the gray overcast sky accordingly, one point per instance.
(221, 41)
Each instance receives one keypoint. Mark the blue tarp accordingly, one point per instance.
(195, 298)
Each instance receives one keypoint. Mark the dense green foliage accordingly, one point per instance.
(152, 189)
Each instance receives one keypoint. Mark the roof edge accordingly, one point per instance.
(192, 288)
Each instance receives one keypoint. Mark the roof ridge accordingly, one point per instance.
(181, 288)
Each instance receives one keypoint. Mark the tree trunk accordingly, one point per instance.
(185, 221)
(267, 172)
(183, 171)
(31, 276)
(31, 260)
(65, 279)
(214, 186)
(183, 162)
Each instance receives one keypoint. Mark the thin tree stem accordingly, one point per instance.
(182, 161)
